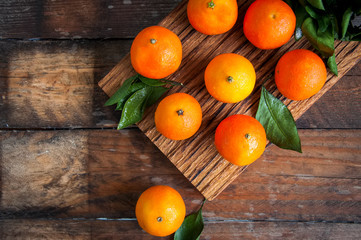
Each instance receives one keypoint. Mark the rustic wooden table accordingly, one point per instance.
(66, 173)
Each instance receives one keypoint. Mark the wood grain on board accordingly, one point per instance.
(197, 157)
(88, 229)
(90, 174)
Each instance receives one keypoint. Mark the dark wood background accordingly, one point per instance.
(66, 173)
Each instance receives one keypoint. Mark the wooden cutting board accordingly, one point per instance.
(197, 157)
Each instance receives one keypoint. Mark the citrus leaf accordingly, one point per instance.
(157, 92)
(173, 82)
(151, 82)
(332, 65)
(191, 227)
(317, 4)
(121, 92)
(323, 23)
(345, 21)
(278, 122)
(133, 88)
(134, 108)
(324, 42)
(301, 14)
(312, 12)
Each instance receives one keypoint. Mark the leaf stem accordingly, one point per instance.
(172, 82)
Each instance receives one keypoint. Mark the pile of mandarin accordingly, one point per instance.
(230, 78)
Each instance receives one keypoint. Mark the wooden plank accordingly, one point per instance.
(101, 173)
(81, 173)
(197, 157)
(79, 19)
(64, 81)
(44, 83)
(126, 229)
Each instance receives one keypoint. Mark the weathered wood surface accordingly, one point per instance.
(101, 173)
(86, 229)
(80, 19)
(70, 184)
(81, 180)
(44, 83)
(197, 157)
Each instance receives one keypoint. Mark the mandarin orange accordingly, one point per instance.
(178, 116)
(212, 17)
(300, 74)
(230, 78)
(240, 139)
(156, 52)
(269, 24)
(160, 210)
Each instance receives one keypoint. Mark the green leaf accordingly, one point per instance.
(323, 43)
(301, 14)
(317, 4)
(312, 12)
(334, 25)
(133, 88)
(121, 92)
(323, 23)
(332, 65)
(157, 92)
(278, 122)
(134, 108)
(191, 227)
(345, 21)
(151, 82)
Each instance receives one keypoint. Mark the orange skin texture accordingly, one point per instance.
(240, 139)
(159, 59)
(269, 24)
(239, 68)
(177, 126)
(300, 74)
(212, 21)
(160, 201)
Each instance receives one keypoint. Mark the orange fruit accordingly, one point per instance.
(178, 116)
(300, 74)
(156, 52)
(230, 78)
(160, 210)
(240, 139)
(212, 17)
(269, 24)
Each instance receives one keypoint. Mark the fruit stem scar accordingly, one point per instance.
(247, 136)
(230, 79)
(159, 219)
(180, 112)
(153, 41)
(211, 4)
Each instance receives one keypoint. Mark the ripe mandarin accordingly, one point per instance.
(160, 210)
(156, 52)
(240, 139)
(269, 24)
(300, 74)
(178, 116)
(212, 17)
(230, 78)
